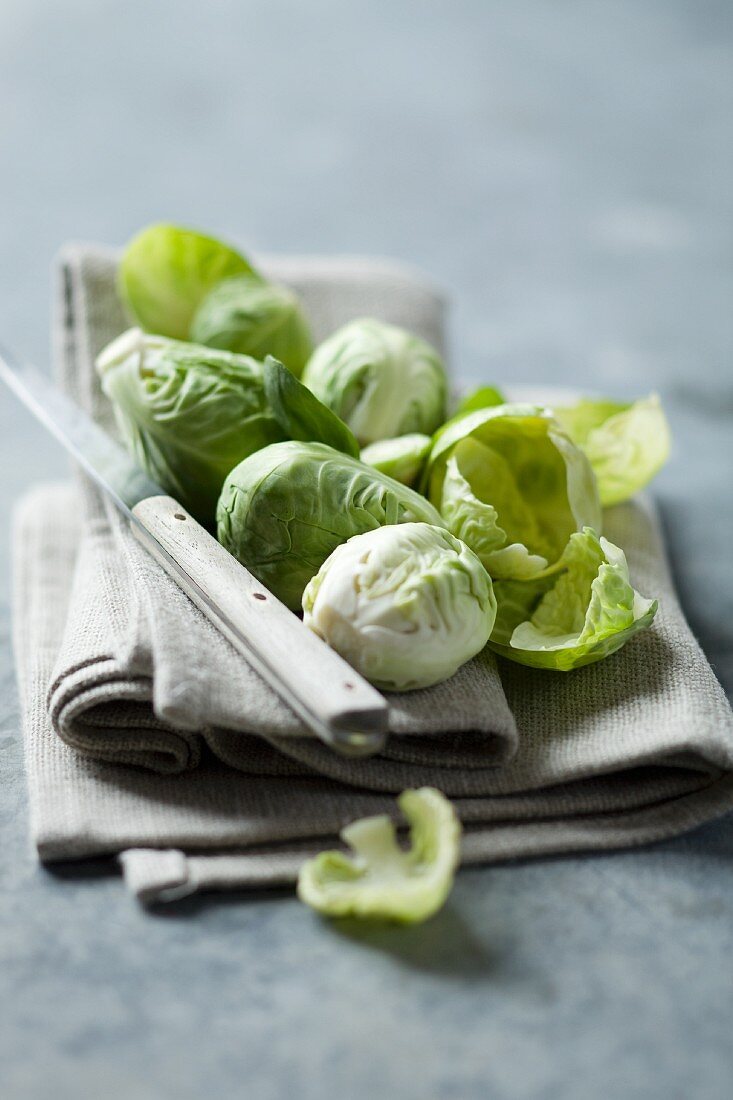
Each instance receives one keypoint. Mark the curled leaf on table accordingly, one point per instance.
(510, 482)
(580, 614)
(382, 380)
(381, 880)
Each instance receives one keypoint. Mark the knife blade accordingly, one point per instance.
(337, 704)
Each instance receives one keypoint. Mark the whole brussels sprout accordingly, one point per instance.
(188, 413)
(247, 315)
(284, 509)
(406, 606)
(380, 379)
(509, 481)
(166, 271)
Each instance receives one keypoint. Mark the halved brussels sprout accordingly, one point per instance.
(406, 605)
(627, 443)
(285, 509)
(381, 880)
(402, 458)
(188, 413)
(246, 315)
(510, 482)
(166, 271)
(577, 616)
(382, 380)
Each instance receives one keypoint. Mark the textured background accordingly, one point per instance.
(563, 169)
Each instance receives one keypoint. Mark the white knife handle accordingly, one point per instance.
(331, 698)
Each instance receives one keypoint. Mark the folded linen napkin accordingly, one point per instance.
(148, 736)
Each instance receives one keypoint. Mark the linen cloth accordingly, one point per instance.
(147, 735)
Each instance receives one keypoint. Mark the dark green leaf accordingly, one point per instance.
(301, 415)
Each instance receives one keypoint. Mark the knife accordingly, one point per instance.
(330, 697)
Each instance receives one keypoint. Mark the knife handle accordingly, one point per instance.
(333, 700)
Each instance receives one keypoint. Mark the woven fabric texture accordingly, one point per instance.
(147, 735)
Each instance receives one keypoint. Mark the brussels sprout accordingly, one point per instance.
(166, 271)
(406, 606)
(283, 510)
(627, 444)
(510, 482)
(382, 880)
(255, 318)
(380, 379)
(402, 458)
(189, 414)
(574, 617)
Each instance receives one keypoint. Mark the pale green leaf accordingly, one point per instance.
(380, 880)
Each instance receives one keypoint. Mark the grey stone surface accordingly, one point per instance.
(564, 170)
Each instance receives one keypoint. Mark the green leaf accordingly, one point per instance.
(476, 523)
(627, 443)
(381, 881)
(166, 271)
(484, 397)
(581, 614)
(511, 483)
(301, 415)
